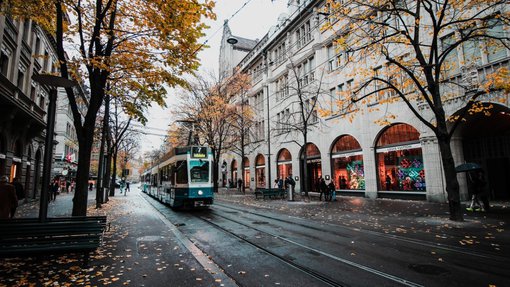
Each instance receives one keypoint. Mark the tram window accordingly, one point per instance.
(182, 172)
(199, 171)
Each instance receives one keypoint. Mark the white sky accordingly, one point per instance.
(252, 22)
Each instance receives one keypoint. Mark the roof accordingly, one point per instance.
(245, 44)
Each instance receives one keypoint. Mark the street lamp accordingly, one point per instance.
(53, 82)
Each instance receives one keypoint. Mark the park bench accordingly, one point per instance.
(270, 192)
(28, 237)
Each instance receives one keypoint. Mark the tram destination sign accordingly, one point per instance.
(198, 152)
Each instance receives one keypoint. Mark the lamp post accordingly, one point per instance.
(53, 82)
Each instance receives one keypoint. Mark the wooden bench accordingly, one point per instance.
(28, 237)
(270, 192)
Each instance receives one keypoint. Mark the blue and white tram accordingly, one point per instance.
(184, 177)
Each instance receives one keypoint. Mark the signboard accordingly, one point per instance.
(198, 152)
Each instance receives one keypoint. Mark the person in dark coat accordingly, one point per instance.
(477, 182)
(322, 188)
(20, 192)
(8, 198)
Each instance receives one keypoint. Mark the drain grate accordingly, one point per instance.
(428, 269)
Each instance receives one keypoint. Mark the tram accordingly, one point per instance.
(182, 178)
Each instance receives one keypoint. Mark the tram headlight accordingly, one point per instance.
(200, 192)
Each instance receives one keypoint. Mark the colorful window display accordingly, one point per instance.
(260, 169)
(400, 160)
(284, 163)
(246, 172)
(347, 164)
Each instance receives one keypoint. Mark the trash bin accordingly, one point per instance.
(290, 196)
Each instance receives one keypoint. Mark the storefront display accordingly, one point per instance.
(260, 171)
(284, 164)
(313, 167)
(400, 160)
(347, 164)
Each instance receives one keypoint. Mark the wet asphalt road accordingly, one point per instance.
(240, 241)
(257, 247)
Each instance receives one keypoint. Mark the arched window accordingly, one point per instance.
(246, 172)
(284, 162)
(260, 169)
(347, 164)
(400, 160)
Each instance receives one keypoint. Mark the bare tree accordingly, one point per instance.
(301, 97)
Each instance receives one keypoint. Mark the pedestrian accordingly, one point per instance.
(322, 188)
(20, 191)
(290, 182)
(332, 191)
(280, 183)
(68, 185)
(91, 185)
(275, 185)
(240, 185)
(8, 198)
(477, 182)
(73, 185)
(54, 190)
(127, 186)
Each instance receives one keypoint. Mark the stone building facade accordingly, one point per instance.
(25, 50)
(400, 159)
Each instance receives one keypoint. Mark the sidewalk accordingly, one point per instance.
(139, 249)
(422, 220)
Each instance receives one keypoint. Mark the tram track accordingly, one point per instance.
(444, 247)
(316, 274)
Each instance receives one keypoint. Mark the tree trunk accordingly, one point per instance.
(107, 174)
(305, 165)
(215, 171)
(114, 173)
(452, 184)
(82, 175)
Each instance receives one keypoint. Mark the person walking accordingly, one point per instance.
(54, 190)
(8, 198)
(332, 191)
(322, 188)
(477, 182)
(240, 185)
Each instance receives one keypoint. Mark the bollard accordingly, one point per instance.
(289, 193)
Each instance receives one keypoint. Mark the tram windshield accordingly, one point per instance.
(199, 170)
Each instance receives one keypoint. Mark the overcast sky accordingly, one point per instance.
(253, 21)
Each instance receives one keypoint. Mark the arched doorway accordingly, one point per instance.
(486, 141)
(233, 173)
(246, 172)
(399, 160)
(313, 167)
(37, 173)
(347, 164)
(260, 171)
(284, 163)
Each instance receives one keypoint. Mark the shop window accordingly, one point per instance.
(400, 160)
(347, 164)
(313, 167)
(260, 175)
(246, 172)
(284, 163)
